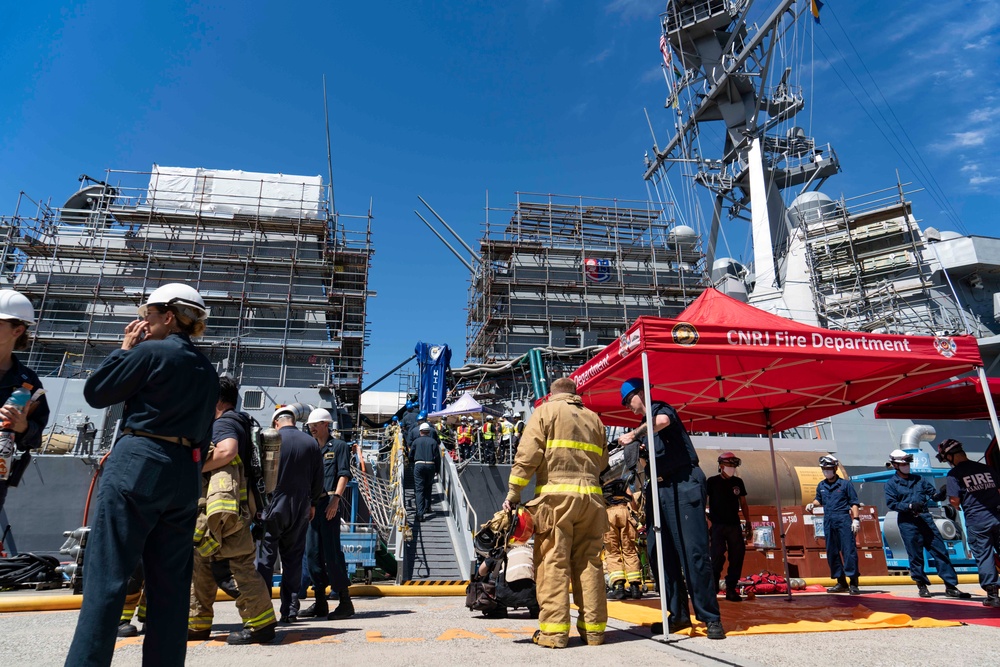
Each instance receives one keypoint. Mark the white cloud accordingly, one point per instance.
(984, 115)
(602, 56)
(971, 138)
(652, 74)
(579, 109)
(978, 180)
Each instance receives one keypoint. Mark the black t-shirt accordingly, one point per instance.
(724, 499)
(975, 485)
(672, 446)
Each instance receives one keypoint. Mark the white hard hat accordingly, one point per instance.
(425, 427)
(16, 306)
(182, 297)
(900, 457)
(319, 415)
(284, 410)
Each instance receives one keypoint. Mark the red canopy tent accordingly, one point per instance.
(728, 367)
(959, 399)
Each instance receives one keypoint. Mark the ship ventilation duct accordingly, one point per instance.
(913, 436)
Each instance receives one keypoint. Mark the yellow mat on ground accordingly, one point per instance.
(766, 616)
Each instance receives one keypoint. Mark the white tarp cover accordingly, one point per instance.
(233, 192)
(465, 405)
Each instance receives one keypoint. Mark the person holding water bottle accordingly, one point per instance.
(22, 419)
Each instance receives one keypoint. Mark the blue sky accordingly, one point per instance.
(450, 99)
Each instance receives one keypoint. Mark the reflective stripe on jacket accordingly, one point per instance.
(564, 447)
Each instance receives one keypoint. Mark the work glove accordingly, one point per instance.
(917, 507)
(810, 507)
(855, 526)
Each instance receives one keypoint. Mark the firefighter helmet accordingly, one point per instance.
(522, 525)
(899, 457)
(949, 446)
(829, 461)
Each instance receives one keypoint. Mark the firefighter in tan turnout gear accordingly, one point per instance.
(564, 447)
(621, 553)
(222, 531)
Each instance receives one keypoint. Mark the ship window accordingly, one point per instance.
(253, 399)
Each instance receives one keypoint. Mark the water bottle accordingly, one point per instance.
(18, 398)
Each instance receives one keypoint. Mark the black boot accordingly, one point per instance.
(953, 592)
(992, 597)
(345, 609)
(853, 589)
(318, 608)
(617, 591)
(126, 629)
(841, 587)
(635, 588)
(247, 636)
(922, 590)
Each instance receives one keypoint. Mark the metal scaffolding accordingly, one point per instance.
(566, 272)
(285, 278)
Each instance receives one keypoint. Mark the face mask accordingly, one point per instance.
(904, 469)
(829, 474)
(729, 471)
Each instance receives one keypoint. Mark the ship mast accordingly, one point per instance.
(721, 70)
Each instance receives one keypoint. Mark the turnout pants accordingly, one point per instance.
(919, 534)
(254, 601)
(841, 552)
(684, 535)
(569, 535)
(135, 598)
(326, 564)
(728, 538)
(621, 555)
(146, 507)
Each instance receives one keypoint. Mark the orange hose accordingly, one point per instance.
(93, 482)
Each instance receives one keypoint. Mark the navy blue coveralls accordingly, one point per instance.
(18, 375)
(684, 533)
(837, 496)
(909, 497)
(976, 486)
(299, 487)
(147, 501)
(424, 453)
(326, 564)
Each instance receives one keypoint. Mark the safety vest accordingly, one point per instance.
(506, 428)
(488, 431)
(464, 435)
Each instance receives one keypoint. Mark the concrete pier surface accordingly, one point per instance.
(439, 630)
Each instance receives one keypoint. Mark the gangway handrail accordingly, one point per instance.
(463, 515)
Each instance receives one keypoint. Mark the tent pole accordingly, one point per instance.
(780, 524)
(657, 520)
(984, 382)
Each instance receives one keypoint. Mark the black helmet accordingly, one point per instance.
(487, 542)
(949, 446)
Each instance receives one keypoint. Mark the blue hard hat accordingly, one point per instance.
(629, 387)
(395, 418)
(422, 415)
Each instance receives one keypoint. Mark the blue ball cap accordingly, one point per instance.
(629, 387)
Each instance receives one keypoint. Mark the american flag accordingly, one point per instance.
(665, 49)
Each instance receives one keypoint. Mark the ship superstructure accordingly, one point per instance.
(565, 275)
(854, 264)
(284, 277)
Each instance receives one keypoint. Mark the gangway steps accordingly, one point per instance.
(431, 552)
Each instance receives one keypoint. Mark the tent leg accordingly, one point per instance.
(985, 384)
(780, 524)
(657, 523)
